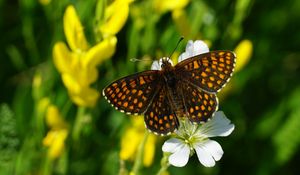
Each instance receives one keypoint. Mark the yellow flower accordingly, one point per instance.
(42, 106)
(55, 138)
(53, 118)
(169, 5)
(36, 86)
(178, 14)
(37, 80)
(74, 31)
(78, 65)
(44, 2)
(128, 150)
(243, 53)
(181, 22)
(115, 17)
(149, 151)
(134, 135)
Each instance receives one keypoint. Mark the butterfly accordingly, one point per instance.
(164, 96)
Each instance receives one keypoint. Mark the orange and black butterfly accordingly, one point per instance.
(187, 89)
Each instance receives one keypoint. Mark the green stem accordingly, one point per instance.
(66, 107)
(164, 164)
(139, 156)
(123, 170)
(48, 166)
(78, 123)
(99, 17)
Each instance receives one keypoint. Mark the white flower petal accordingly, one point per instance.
(213, 148)
(204, 156)
(171, 145)
(192, 49)
(200, 47)
(183, 56)
(219, 125)
(155, 65)
(180, 151)
(189, 49)
(181, 156)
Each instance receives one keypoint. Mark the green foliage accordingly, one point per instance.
(9, 140)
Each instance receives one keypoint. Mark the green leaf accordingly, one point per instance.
(9, 141)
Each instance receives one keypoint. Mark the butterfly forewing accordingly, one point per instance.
(199, 105)
(159, 117)
(209, 71)
(133, 93)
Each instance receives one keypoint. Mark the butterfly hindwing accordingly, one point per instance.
(199, 105)
(159, 117)
(209, 71)
(132, 94)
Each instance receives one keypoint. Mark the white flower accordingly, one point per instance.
(190, 137)
(192, 49)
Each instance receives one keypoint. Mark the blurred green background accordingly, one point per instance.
(262, 100)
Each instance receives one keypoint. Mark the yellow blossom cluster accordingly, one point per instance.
(77, 61)
(56, 136)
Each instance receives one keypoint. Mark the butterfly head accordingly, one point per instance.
(166, 63)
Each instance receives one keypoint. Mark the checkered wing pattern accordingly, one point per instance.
(132, 94)
(159, 117)
(199, 105)
(209, 71)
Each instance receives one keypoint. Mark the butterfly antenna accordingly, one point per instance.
(181, 38)
(136, 60)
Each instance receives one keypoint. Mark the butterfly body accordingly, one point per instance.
(169, 75)
(172, 83)
(187, 89)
